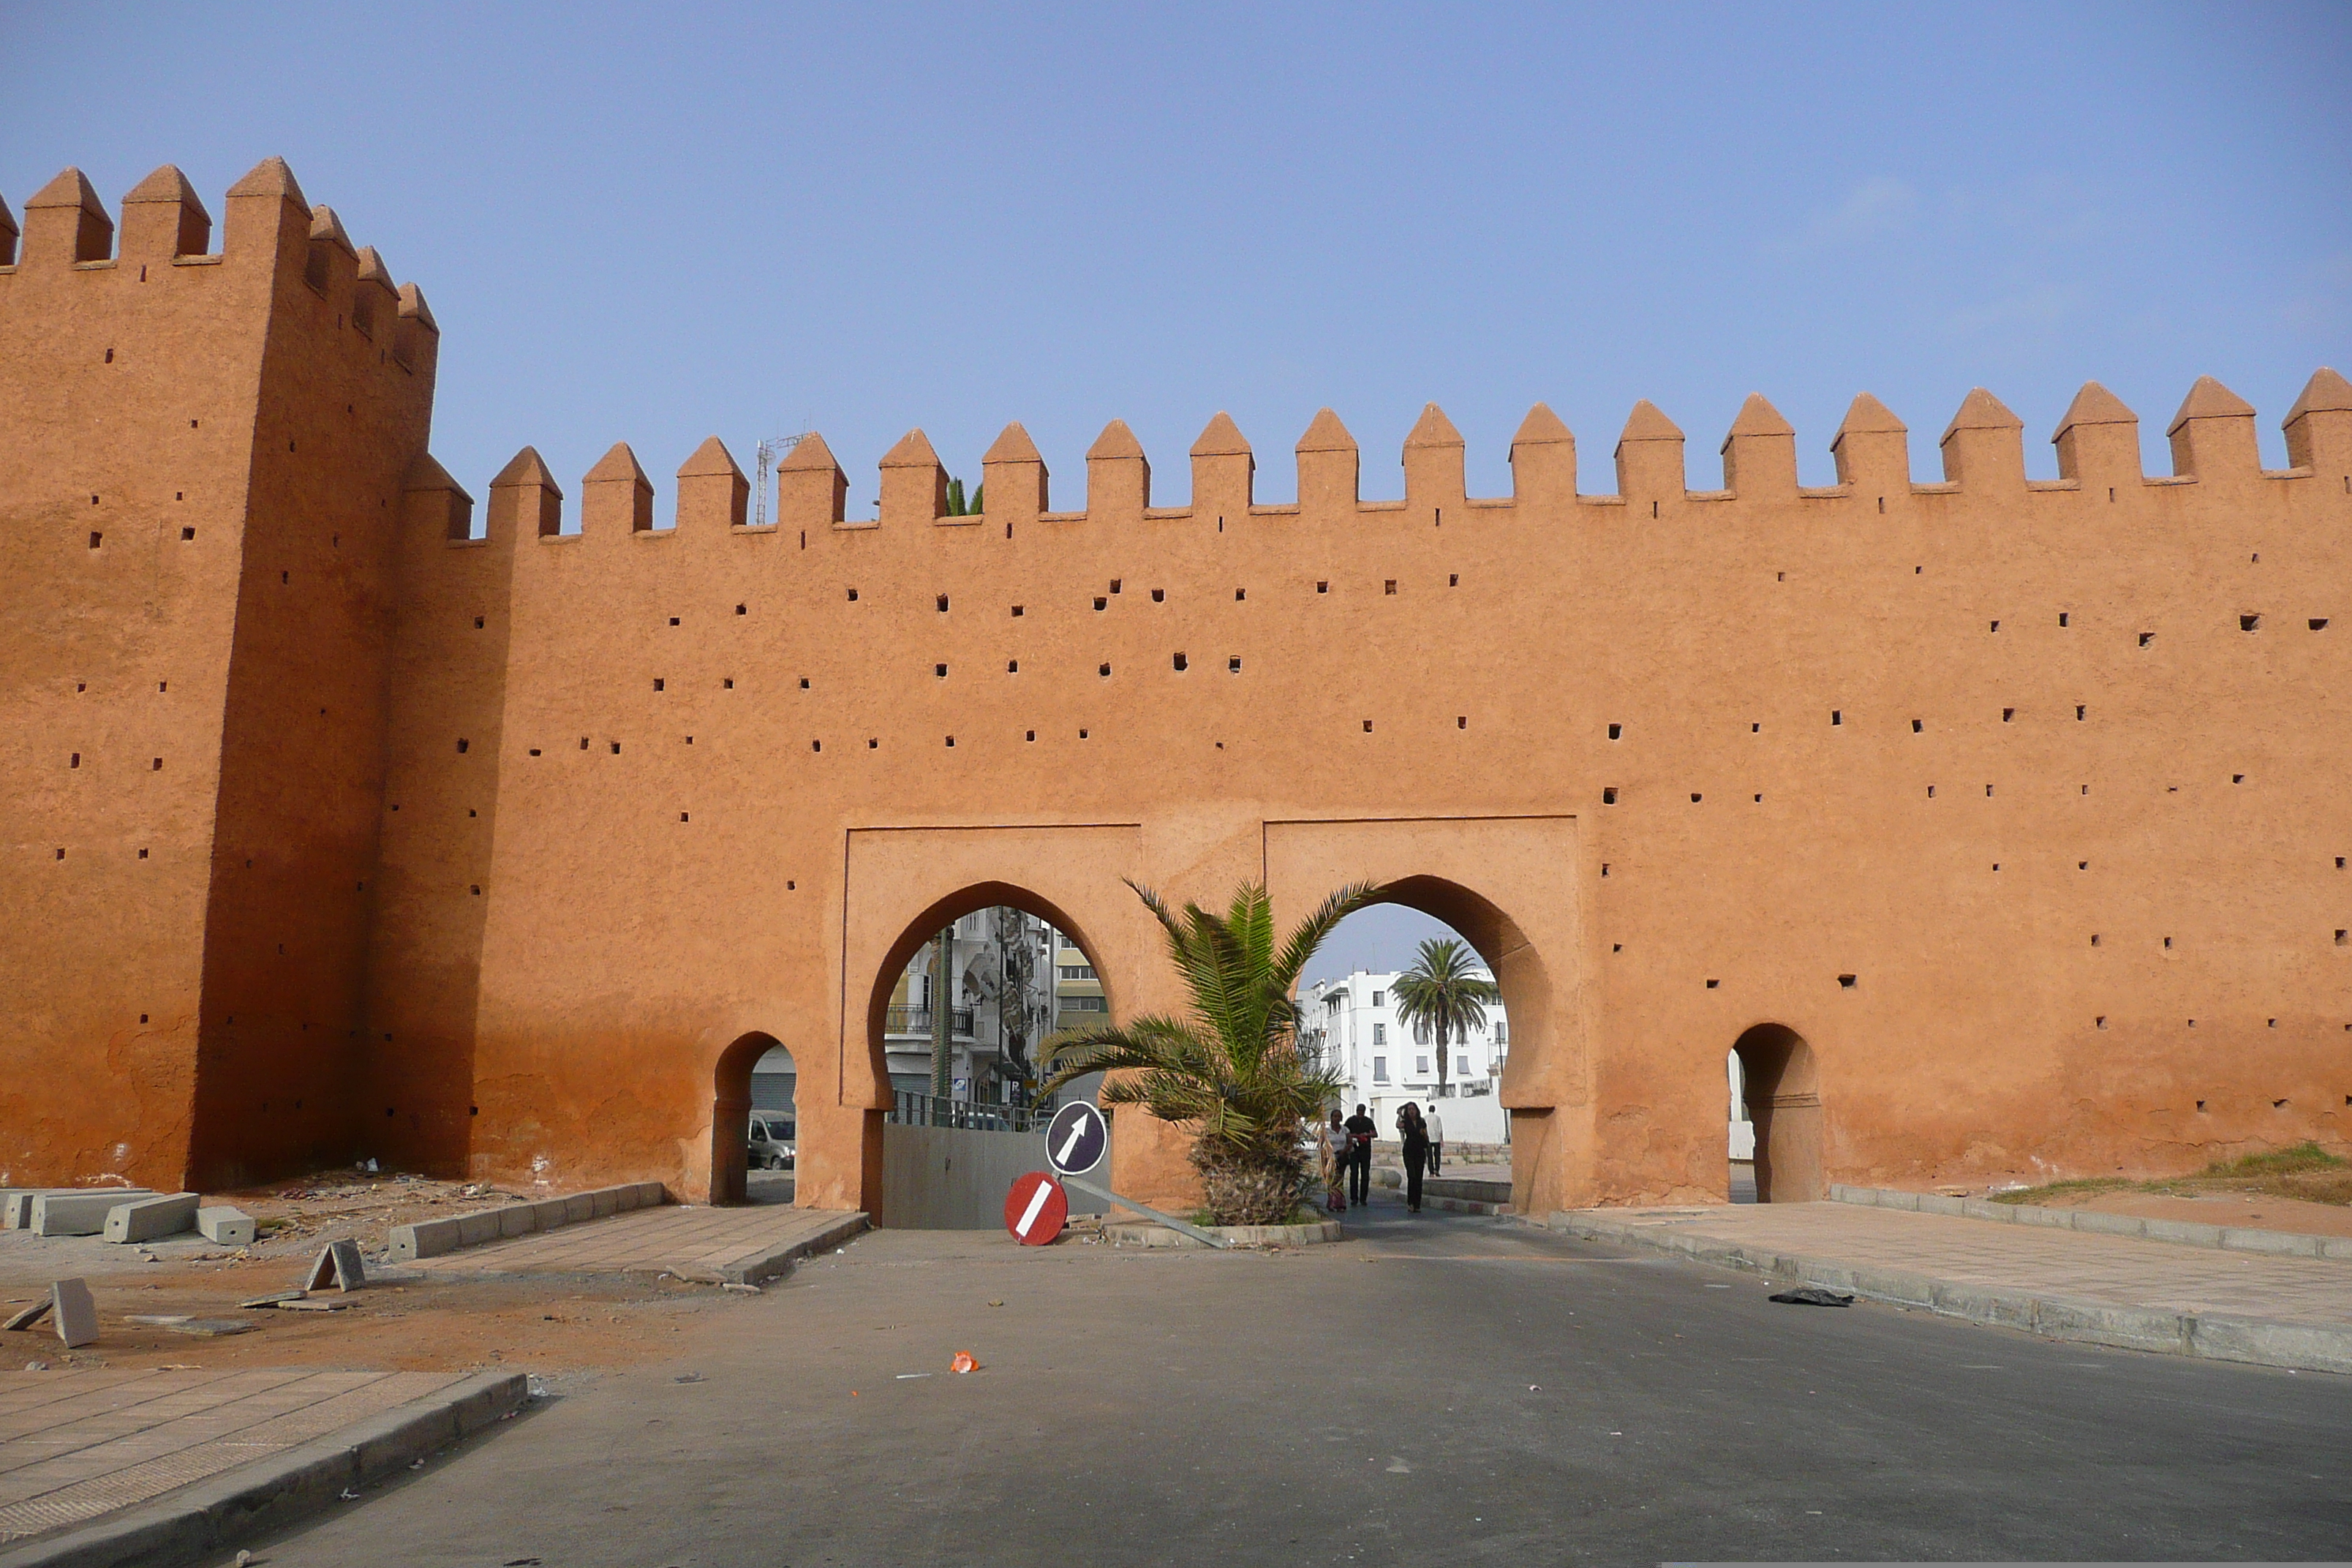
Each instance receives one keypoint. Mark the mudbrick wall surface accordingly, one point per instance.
(2014, 808)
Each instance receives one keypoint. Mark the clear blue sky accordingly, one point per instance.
(657, 223)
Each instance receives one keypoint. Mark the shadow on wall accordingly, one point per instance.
(1784, 1103)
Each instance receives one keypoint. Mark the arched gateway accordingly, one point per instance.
(505, 853)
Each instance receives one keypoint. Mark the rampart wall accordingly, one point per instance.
(2019, 801)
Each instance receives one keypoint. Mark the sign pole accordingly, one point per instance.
(1170, 1220)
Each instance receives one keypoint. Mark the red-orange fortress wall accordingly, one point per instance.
(2021, 803)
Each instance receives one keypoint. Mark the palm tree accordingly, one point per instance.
(1445, 991)
(1232, 1070)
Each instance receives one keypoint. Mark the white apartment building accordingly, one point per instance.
(1003, 1003)
(1351, 1025)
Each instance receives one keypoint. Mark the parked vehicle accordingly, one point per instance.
(772, 1143)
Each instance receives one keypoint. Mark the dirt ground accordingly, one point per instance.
(404, 1321)
(2255, 1210)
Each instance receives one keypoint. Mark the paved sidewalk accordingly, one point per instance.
(2282, 1310)
(739, 1246)
(75, 1444)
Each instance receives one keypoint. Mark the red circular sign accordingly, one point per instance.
(1036, 1209)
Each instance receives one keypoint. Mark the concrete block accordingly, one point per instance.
(2109, 1224)
(2127, 1328)
(2335, 1246)
(2277, 1243)
(1935, 1202)
(1978, 1208)
(2312, 1346)
(2009, 1310)
(16, 1204)
(650, 1195)
(79, 1213)
(2049, 1219)
(1888, 1199)
(517, 1219)
(579, 1208)
(338, 1264)
(144, 1219)
(2182, 1230)
(229, 1226)
(73, 1312)
(474, 1229)
(604, 1202)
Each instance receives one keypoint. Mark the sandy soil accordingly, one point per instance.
(2256, 1211)
(402, 1321)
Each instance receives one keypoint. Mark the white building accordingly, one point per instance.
(1351, 1025)
(1004, 1003)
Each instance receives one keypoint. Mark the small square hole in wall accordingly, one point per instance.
(2167, 944)
(461, 747)
(658, 683)
(804, 685)
(941, 671)
(534, 751)
(2062, 617)
(1158, 595)
(1389, 586)
(477, 623)
(1082, 734)
(1462, 721)
(1322, 587)
(682, 816)
(2094, 939)
(1609, 795)
(1616, 732)
(2237, 778)
(873, 744)
(1837, 717)
(2273, 1023)
(1115, 585)
(1103, 671)
(2081, 864)
(742, 609)
(1695, 797)
(2146, 638)
(1233, 665)
(61, 855)
(673, 620)
(2340, 939)
(1931, 791)
(1916, 726)
(1101, 603)
(2007, 714)
(1454, 579)
(1018, 611)
(1759, 800)
(1179, 663)
(1996, 626)
(616, 748)
(1011, 666)
(943, 604)
(143, 854)
(852, 596)
(1996, 865)
(816, 745)
(1779, 576)
(1755, 729)
(1845, 982)
(1240, 595)
(1616, 947)
(1367, 726)
(2101, 1020)
(74, 761)
(1030, 734)
(727, 683)
(950, 740)
(2200, 1105)
(1987, 789)
(96, 537)
(2318, 623)
(583, 742)
(285, 577)
(187, 533)
(2339, 862)
(1712, 983)
(2249, 623)
(1604, 867)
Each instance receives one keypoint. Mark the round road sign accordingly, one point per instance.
(1075, 1139)
(1036, 1209)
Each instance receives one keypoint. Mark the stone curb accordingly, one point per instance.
(2229, 1239)
(2306, 1347)
(1454, 1196)
(213, 1515)
(438, 1237)
(761, 1267)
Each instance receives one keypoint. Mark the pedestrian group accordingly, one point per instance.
(1347, 1148)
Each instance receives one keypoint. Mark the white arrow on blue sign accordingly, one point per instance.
(1075, 1139)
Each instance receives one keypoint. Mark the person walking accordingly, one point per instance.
(1336, 1162)
(1436, 1137)
(1360, 1129)
(1415, 1134)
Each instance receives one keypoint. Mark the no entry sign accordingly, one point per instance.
(1036, 1209)
(1075, 1139)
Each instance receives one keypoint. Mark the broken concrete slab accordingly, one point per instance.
(28, 1316)
(79, 1213)
(75, 1313)
(149, 1219)
(338, 1265)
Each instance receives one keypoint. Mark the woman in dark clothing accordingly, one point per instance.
(1415, 1134)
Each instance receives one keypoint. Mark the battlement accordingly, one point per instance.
(270, 227)
(1983, 451)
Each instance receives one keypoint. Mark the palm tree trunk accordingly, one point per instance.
(1441, 1061)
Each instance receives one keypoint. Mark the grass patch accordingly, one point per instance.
(2306, 1172)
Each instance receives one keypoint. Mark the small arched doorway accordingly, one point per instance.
(1774, 1065)
(731, 1114)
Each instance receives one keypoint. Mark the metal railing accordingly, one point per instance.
(899, 1019)
(912, 1109)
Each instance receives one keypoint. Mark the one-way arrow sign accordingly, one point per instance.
(1075, 1139)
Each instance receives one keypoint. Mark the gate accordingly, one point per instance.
(948, 1164)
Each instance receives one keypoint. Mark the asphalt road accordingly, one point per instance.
(1447, 1390)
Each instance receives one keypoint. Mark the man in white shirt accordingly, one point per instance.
(1436, 1137)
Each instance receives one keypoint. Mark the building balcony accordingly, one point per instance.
(904, 1020)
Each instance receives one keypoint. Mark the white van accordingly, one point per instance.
(772, 1142)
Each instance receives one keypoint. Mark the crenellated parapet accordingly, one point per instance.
(1983, 451)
